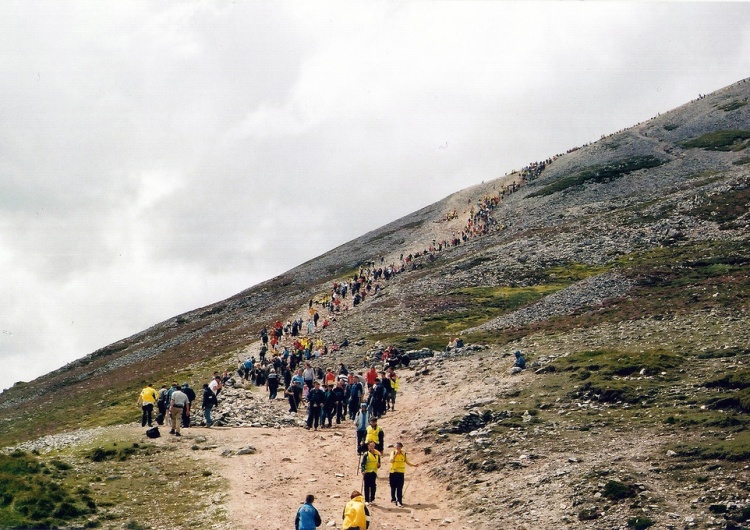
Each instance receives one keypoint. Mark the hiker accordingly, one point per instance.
(178, 403)
(361, 421)
(339, 393)
(294, 394)
(307, 517)
(329, 407)
(519, 364)
(208, 403)
(355, 396)
(386, 383)
(315, 400)
(370, 377)
(376, 400)
(272, 384)
(216, 385)
(369, 468)
(399, 461)
(394, 388)
(375, 434)
(162, 404)
(147, 399)
(248, 366)
(190, 393)
(356, 515)
(309, 375)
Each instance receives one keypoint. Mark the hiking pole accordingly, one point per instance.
(411, 476)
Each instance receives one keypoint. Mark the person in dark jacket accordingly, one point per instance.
(315, 399)
(340, 398)
(190, 393)
(272, 383)
(294, 394)
(329, 407)
(209, 402)
(307, 517)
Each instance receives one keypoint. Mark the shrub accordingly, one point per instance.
(616, 490)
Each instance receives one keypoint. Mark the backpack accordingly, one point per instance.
(153, 432)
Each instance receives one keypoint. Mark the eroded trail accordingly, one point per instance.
(266, 488)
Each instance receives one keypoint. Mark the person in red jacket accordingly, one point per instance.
(370, 377)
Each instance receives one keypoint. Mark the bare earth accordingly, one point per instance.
(266, 488)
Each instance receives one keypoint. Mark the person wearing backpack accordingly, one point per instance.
(162, 404)
(399, 461)
(369, 469)
(307, 517)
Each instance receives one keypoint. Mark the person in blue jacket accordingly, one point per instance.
(307, 517)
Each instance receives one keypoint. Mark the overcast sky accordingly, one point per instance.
(156, 157)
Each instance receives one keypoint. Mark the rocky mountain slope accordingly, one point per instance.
(620, 269)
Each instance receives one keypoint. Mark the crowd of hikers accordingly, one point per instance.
(287, 366)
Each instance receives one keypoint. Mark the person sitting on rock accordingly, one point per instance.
(519, 364)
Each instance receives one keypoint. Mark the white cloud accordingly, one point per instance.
(161, 156)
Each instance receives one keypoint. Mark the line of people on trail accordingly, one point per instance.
(341, 395)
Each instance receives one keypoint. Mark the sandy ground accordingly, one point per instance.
(266, 488)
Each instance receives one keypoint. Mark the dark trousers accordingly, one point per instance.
(361, 440)
(313, 416)
(148, 409)
(371, 481)
(328, 416)
(340, 415)
(396, 480)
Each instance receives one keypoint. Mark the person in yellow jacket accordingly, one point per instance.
(394, 388)
(399, 461)
(369, 468)
(374, 433)
(356, 514)
(147, 400)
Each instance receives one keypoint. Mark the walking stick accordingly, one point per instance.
(411, 476)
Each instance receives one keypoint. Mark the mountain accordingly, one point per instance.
(619, 269)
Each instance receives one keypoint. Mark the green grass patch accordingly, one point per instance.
(742, 161)
(601, 173)
(620, 363)
(33, 496)
(613, 376)
(725, 140)
(476, 305)
(733, 448)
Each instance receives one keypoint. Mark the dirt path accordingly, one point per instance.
(266, 488)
